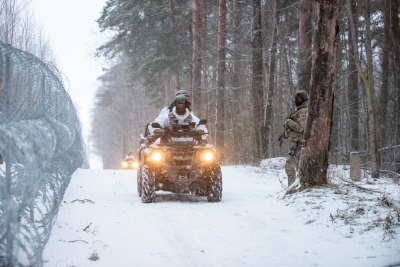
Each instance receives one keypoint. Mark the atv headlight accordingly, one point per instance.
(135, 164)
(207, 156)
(124, 164)
(156, 156)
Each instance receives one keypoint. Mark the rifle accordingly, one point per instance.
(280, 139)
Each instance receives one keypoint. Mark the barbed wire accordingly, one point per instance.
(41, 146)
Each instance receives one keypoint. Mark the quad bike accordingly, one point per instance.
(129, 164)
(177, 159)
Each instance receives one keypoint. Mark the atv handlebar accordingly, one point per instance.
(164, 133)
(178, 133)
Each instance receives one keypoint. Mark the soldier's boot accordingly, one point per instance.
(290, 168)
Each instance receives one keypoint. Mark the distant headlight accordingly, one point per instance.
(156, 156)
(135, 164)
(124, 164)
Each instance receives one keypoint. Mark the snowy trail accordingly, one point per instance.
(248, 228)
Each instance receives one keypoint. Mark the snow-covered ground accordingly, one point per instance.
(103, 223)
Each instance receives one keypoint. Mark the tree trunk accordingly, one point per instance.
(336, 134)
(257, 84)
(368, 80)
(395, 27)
(314, 156)
(371, 97)
(305, 37)
(271, 84)
(190, 67)
(236, 90)
(206, 97)
(167, 91)
(352, 90)
(196, 86)
(177, 81)
(285, 59)
(220, 106)
(385, 72)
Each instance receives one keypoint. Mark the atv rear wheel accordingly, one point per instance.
(215, 187)
(148, 184)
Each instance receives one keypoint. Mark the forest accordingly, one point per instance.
(242, 61)
(20, 29)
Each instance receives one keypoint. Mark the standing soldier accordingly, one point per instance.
(294, 129)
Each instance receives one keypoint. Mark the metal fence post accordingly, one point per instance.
(7, 160)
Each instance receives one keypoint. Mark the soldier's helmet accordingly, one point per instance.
(300, 96)
(181, 99)
(183, 92)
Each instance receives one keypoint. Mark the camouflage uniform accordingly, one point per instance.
(166, 119)
(173, 116)
(294, 129)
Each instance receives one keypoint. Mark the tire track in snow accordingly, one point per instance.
(181, 240)
(259, 235)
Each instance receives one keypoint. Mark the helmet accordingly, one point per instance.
(183, 92)
(181, 98)
(299, 97)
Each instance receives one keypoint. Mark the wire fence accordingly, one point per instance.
(40, 147)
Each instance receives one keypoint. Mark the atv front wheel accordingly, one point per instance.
(215, 187)
(148, 184)
(139, 180)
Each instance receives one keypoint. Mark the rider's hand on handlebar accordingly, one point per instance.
(157, 131)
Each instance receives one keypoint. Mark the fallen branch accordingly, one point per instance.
(103, 244)
(295, 187)
(83, 201)
(99, 241)
(94, 256)
(332, 220)
(394, 175)
(360, 187)
(95, 230)
(283, 185)
(77, 241)
(87, 227)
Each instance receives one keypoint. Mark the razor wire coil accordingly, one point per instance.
(41, 145)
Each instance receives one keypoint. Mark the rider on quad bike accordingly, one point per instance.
(174, 156)
(129, 162)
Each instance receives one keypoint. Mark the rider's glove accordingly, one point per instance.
(157, 130)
